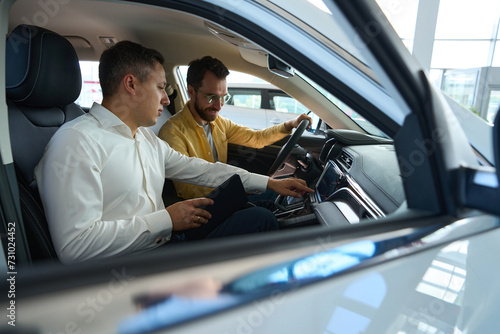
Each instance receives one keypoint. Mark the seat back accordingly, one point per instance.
(43, 80)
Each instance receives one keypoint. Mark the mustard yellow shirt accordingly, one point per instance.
(185, 135)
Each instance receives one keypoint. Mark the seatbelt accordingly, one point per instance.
(172, 94)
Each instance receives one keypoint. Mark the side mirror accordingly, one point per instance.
(479, 187)
(278, 67)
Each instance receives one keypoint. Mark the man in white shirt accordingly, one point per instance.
(102, 174)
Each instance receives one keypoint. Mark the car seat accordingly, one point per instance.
(43, 80)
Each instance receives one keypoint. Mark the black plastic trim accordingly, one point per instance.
(9, 200)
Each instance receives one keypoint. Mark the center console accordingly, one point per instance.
(337, 200)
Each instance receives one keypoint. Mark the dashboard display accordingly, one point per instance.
(293, 200)
(328, 181)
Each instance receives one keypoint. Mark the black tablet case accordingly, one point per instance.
(228, 198)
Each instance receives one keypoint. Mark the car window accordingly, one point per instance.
(249, 98)
(91, 89)
(284, 103)
(360, 120)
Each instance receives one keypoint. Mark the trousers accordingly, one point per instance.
(249, 220)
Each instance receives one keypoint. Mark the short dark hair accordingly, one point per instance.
(198, 68)
(124, 58)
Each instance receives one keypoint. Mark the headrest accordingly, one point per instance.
(42, 68)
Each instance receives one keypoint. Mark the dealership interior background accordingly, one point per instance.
(458, 43)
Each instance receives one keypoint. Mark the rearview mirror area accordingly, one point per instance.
(278, 67)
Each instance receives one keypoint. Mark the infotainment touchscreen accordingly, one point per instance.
(328, 181)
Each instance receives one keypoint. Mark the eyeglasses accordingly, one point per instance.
(213, 98)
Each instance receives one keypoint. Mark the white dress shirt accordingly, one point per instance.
(101, 187)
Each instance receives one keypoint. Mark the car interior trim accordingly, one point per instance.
(5, 148)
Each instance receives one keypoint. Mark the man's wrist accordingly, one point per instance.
(288, 125)
(271, 183)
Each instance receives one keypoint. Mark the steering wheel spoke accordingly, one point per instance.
(288, 147)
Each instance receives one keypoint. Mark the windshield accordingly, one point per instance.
(353, 115)
(352, 61)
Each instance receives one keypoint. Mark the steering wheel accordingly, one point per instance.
(287, 148)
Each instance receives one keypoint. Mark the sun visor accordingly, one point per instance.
(249, 51)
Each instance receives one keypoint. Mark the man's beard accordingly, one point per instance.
(203, 113)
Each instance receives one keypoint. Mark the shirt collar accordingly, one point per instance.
(189, 117)
(109, 120)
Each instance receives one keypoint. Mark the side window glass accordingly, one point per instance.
(91, 88)
(245, 98)
(285, 103)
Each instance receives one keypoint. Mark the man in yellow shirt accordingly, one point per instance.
(199, 131)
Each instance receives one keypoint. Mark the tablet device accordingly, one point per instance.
(228, 198)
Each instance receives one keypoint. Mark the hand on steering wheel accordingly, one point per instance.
(287, 148)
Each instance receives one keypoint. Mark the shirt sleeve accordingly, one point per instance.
(70, 186)
(179, 167)
(188, 191)
(242, 135)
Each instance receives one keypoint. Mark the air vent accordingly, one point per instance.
(346, 160)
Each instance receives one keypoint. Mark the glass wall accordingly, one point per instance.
(493, 104)
(460, 85)
(465, 47)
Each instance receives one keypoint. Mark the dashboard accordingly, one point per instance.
(360, 181)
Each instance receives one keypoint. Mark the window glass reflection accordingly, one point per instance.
(346, 321)
(445, 277)
(312, 267)
(370, 291)
(327, 263)
(279, 276)
(322, 265)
